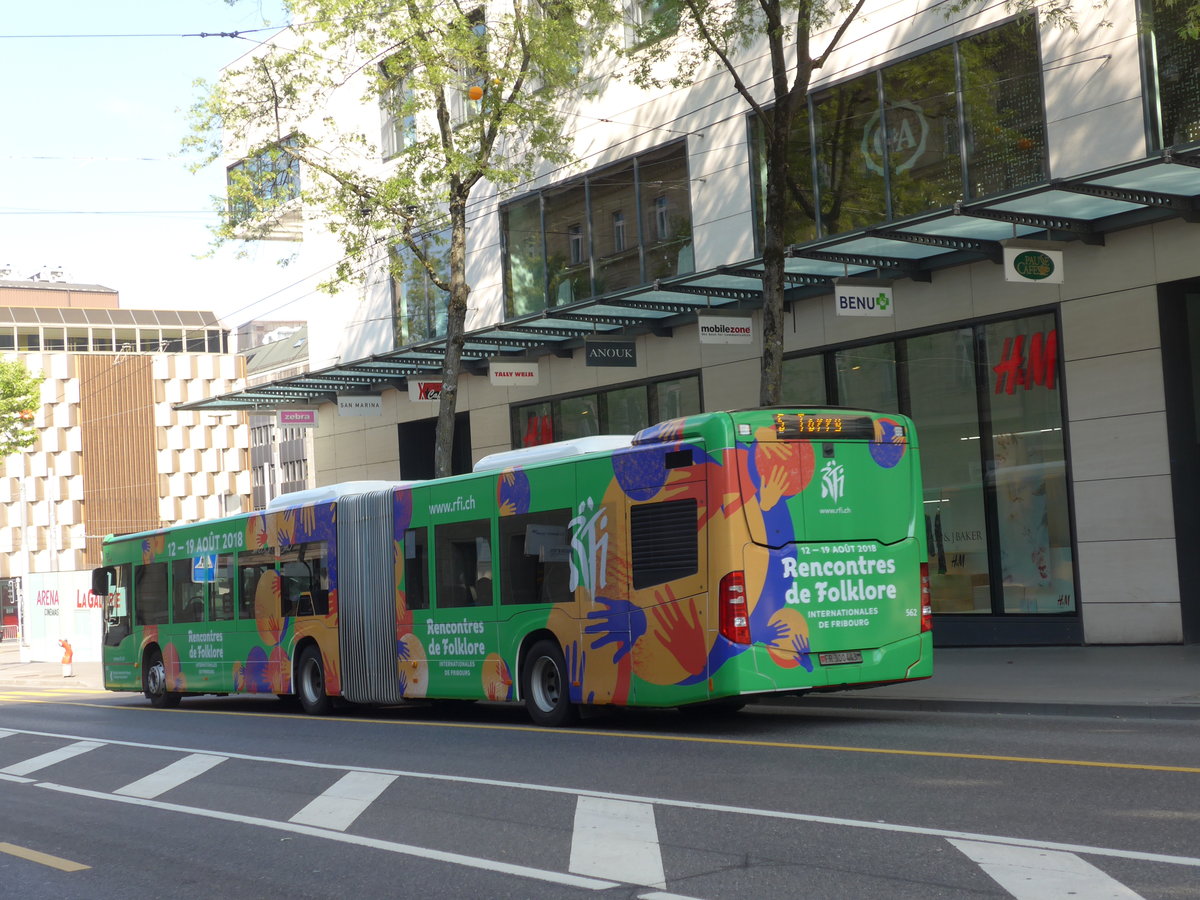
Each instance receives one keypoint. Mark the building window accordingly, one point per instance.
(576, 241)
(618, 231)
(649, 21)
(419, 306)
(988, 408)
(265, 181)
(662, 219)
(398, 123)
(891, 143)
(618, 410)
(1174, 76)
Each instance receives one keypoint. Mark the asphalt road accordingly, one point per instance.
(103, 797)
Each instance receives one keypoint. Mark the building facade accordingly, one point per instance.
(1023, 199)
(113, 454)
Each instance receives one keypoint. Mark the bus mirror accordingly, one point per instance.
(102, 579)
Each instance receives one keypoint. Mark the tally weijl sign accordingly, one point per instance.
(513, 374)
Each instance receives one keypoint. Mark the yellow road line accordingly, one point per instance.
(45, 859)
(685, 739)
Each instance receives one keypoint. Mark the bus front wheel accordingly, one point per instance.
(545, 686)
(310, 683)
(154, 683)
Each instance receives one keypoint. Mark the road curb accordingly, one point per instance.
(1186, 712)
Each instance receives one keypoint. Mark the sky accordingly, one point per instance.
(93, 180)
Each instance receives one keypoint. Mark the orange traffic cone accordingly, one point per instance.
(67, 658)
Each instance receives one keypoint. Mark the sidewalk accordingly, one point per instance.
(1159, 682)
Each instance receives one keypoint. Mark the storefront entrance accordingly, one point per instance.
(1179, 315)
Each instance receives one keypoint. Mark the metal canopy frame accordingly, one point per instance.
(1083, 208)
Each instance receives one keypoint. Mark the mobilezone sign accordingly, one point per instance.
(863, 299)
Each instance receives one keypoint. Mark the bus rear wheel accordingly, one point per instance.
(154, 683)
(545, 686)
(310, 683)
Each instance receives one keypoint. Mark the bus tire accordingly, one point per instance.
(310, 683)
(154, 683)
(545, 686)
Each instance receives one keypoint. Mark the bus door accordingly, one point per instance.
(120, 651)
(671, 628)
(258, 623)
(460, 632)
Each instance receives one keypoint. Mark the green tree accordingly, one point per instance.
(473, 95)
(19, 398)
(692, 35)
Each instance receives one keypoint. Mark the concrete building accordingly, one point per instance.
(279, 451)
(1026, 195)
(113, 453)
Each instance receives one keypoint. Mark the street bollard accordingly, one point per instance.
(67, 658)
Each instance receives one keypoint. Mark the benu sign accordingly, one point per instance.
(863, 298)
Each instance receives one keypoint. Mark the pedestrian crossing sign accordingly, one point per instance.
(204, 569)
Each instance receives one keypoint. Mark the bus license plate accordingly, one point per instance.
(840, 658)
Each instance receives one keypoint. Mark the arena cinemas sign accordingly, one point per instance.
(610, 354)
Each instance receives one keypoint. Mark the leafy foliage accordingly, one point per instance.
(19, 399)
(475, 94)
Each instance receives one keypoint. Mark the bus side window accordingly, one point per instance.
(416, 569)
(221, 590)
(463, 557)
(187, 596)
(535, 558)
(664, 542)
(252, 567)
(150, 600)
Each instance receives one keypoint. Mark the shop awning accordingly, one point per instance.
(1082, 208)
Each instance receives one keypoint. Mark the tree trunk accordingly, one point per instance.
(443, 449)
(774, 286)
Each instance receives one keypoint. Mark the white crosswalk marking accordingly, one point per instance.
(344, 801)
(616, 839)
(49, 759)
(1029, 873)
(178, 772)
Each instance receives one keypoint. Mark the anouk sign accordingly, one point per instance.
(608, 353)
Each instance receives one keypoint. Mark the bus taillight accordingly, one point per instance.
(734, 613)
(926, 600)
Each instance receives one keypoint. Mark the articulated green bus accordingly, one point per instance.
(711, 560)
